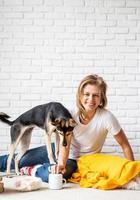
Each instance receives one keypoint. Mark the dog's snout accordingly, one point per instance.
(64, 142)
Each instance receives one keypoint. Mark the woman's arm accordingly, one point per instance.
(123, 141)
(63, 156)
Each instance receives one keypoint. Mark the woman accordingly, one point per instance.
(94, 123)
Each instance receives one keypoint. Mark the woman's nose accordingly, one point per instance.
(91, 97)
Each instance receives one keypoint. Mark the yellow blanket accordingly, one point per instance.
(104, 171)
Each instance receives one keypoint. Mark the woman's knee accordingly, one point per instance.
(43, 172)
(38, 155)
(70, 168)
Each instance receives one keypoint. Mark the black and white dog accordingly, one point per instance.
(52, 117)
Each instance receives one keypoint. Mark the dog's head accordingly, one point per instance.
(64, 127)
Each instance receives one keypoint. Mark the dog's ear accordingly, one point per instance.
(59, 122)
(72, 123)
(56, 122)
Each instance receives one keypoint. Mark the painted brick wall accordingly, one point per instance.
(48, 46)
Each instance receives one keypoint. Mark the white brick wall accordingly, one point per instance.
(47, 46)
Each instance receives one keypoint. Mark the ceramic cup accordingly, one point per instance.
(56, 181)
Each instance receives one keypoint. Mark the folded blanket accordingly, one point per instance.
(104, 171)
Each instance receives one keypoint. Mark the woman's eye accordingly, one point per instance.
(86, 94)
(94, 95)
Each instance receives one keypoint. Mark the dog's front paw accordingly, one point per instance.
(18, 173)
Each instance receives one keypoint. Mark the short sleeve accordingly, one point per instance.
(112, 124)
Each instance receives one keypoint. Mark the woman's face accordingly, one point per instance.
(91, 97)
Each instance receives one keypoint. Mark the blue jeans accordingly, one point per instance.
(43, 172)
(37, 156)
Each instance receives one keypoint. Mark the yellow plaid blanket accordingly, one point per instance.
(104, 171)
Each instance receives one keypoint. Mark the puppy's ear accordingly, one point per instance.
(57, 121)
(72, 122)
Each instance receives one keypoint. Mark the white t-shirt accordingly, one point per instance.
(88, 139)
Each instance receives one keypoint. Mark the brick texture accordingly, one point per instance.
(47, 47)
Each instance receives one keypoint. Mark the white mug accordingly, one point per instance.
(56, 181)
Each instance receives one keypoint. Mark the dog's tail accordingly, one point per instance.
(4, 118)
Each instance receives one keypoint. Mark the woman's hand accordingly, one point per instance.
(58, 169)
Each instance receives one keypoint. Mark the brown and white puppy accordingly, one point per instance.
(52, 117)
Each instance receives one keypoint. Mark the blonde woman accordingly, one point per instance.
(94, 121)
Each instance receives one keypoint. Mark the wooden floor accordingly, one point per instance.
(70, 191)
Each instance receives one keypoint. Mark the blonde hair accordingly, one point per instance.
(91, 79)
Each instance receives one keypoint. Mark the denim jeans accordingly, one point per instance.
(37, 156)
(43, 171)
(31, 157)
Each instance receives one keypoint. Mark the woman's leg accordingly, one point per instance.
(70, 168)
(43, 172)
(32, 157)
(3, 162)
(35, 156)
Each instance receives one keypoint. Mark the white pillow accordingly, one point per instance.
(27, 183)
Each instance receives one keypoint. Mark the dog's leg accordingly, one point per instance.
(9, 160)
(17, 132)
(24, 146)
(57, 142)
(15, 138)
(49, 148)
